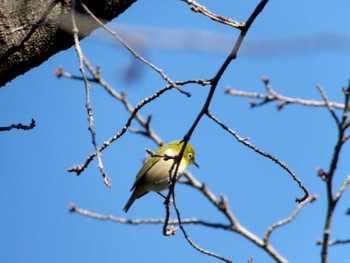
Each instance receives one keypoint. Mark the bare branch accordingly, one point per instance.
(214, 82)
(133, 52)
(191, 242)
(195, 7)
(164, 156)
(223, 206)
(265, 154)
(342, 188)
(282, 222)
(346, 137)
(152, 221)
(328, 105)
(145, 123)
(334, 242)
(19, 126)
(332, 201)
(282, 100)
(75, 31)
(78, 169)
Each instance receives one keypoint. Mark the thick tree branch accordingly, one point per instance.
(34, 30)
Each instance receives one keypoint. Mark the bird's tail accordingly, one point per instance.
(138, 192)
(129, 203)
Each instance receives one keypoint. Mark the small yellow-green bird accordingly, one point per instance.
(154, 175)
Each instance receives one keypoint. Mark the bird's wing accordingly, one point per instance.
(150, 162)
(148, 165)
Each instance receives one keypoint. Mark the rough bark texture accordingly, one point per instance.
(31, 31)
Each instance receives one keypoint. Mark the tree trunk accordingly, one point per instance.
(32, 31)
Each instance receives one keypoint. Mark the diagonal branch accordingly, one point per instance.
(78, 169)
(328, 104)
(223, 206)
(195, 7)
(287, 220)
(133, 52)
(342, 188)
(265, 154)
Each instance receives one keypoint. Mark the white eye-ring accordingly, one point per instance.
(189, 156)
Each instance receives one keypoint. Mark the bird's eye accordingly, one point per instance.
(189, 156)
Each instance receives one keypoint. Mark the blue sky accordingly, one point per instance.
(297, 44)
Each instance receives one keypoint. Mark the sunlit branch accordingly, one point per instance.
(343, 187)
(328, 104)
(150, 221)
(223, 206)
(195, 7)
(334, 242)
(75, 31)
(282, 100)
(78, 169)
(133, 52)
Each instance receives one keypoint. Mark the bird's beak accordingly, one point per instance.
(196, 164)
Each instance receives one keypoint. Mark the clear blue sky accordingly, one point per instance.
(297, 44)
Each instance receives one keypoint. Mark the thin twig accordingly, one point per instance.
(79, 51)
(283, 100)
(195, 7)
(133, 52)
(342, 188)
(282, 222)
(328, 105)
(19, 126)
(223, 206)
(145, 123)
(78, 169)
(265, 154)
(334, 242)
(153, 221)
(191, 242)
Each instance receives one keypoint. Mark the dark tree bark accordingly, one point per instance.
(31, 31)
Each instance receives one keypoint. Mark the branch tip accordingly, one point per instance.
(265, 80)
(72, 207)
(322, 174)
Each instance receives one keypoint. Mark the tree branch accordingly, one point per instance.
(195, 7)
(34, 30)
(332, 201)
(214, 82)
(265, 154)
(287, 220)
(281, 99)
(19, 126)
(80, 54)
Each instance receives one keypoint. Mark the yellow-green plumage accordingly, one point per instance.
(154, 175)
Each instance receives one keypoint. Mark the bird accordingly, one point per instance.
(154, 174)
